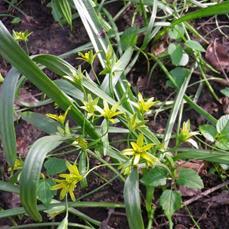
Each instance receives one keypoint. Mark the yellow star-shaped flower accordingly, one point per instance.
(144, 106)
(109, 113)
(68, 184)
(139, 150)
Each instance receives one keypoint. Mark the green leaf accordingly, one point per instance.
(62, 9)
(208, 131)
(190, 179)
(155, 176)
(223, 124)
(175, 110)
(223, 143)
(7, 96)
(41, 122)
(179, 74)
(212, 156)
(55, 165)
(31, 172)
(225, 91)
(44, 194)
(129, 38)
(219, 8)
(176, 53)
(64, 223)
(170, 201)
(132, 201)
(8, 187)
(194, 45)
(176, 32)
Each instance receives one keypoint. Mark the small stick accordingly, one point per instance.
(205, 193)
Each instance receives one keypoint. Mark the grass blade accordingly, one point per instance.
(8, 135)
(175, 110)
(222, 8)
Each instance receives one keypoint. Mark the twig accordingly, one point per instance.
(205, 193)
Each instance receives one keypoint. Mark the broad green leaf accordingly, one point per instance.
(7, 130)
(208, 131)
(212, 156)
(189, 178)
(176, 53)
(41, 122)
(132, 201)
(155, 177)
(54, 165)
(129, 38)
(8, 187)
(44, 194)
(223, 124)
(223, 143)
(179, 74)
(176, 32)
(170, 201)
(31, 172)
(225, 91)
(194, 45)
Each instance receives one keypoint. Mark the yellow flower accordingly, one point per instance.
(185, 132)
(68, 184)
(89, 56)
(21, 36)
(59, 118)
(134, 123)
(139, 150)
(90, 105)
(109, 113)
(81, 143)
(144, 106)
(18, 164)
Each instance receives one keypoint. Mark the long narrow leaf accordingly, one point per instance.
(7, 187)
(132, 201)
(221, 8)
(7, 129)
(175, 110)
(212, 156)
(31, 172)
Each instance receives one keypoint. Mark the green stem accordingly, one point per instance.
(32, 225)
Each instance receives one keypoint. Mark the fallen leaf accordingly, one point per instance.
(217, 54)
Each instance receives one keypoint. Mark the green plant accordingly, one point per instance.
(100, 109)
